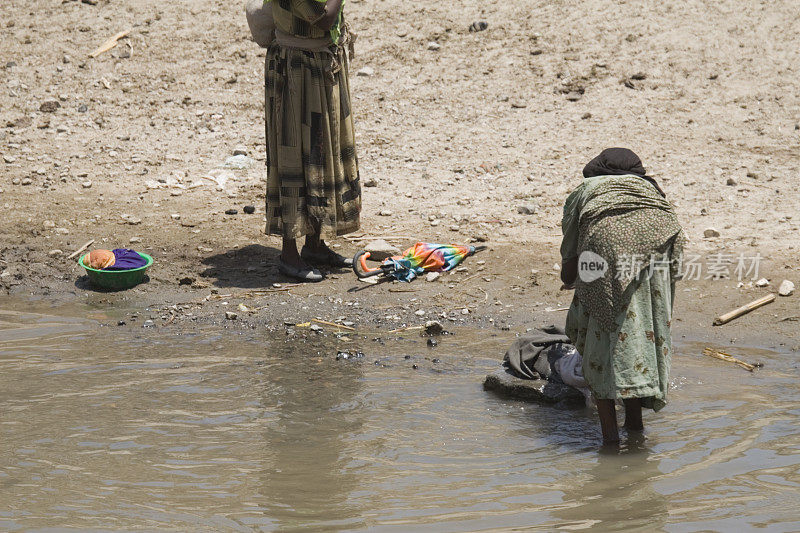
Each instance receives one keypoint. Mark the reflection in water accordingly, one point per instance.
(616, 493)
(220, 432)
(307, 477)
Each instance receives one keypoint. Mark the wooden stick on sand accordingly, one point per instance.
(736, 313)
(109, 44)
(333, 324)
(74, 254)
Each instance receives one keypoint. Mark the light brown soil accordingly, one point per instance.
(456, 138)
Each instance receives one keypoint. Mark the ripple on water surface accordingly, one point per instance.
(209, 432)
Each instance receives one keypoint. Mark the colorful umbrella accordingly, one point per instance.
(420, 258)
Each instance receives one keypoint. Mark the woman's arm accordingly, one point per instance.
(322, 15)
(569, 244)
(332, 9)
(569, 272)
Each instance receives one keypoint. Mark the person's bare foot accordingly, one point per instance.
(606, 410)
(633, 414)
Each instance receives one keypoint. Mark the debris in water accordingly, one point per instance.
(716, 354)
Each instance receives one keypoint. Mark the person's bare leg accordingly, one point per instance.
(633, 414)
(608, 421)
(290, 255)
(314, 242)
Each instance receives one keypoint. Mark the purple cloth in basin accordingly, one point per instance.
(126, 260)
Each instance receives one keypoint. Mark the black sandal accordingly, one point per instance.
(326, 257)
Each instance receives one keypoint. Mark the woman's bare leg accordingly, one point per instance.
(608, 421)
(633, 414)
(289, 254)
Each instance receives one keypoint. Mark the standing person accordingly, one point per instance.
(620, 321)
(313, 188)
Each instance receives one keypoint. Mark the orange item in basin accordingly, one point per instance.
(99, 259)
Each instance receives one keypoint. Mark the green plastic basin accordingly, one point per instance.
(116, 279)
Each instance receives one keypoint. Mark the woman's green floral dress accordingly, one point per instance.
(620, 323)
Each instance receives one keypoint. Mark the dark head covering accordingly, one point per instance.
(618, 162)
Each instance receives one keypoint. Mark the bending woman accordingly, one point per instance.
(620, 316)
(313, 188)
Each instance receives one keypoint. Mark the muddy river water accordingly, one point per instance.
(105, 428)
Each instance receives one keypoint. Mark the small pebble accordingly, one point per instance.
(230, 315)
(415, 366)
(148, 324)
(478, 26)
(433, 343)
(710, 233)
(433, 46)
(231, 212)
(249, 209)
(786, 288)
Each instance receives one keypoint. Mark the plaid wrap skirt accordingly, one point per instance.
(313, 181)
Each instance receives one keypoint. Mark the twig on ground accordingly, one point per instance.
(333, 324)
(406, 328)
(109, 44)
(74, 254)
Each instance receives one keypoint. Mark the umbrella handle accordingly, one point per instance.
(360, 265)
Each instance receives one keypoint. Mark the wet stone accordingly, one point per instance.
(536, 390)
(433, 327)
(433, 343)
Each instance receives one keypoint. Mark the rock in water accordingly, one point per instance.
(380, 250)
(536, 390)
(786, 288)
(433, 327)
